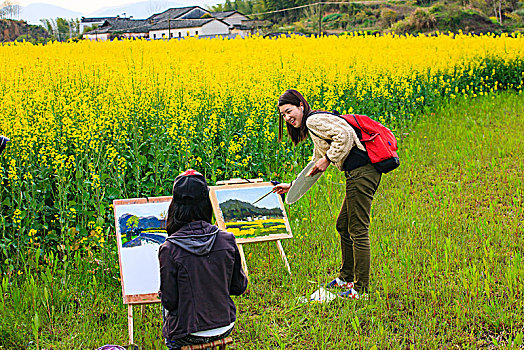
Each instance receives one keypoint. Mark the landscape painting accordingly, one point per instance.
(141, 229)
(251, 212)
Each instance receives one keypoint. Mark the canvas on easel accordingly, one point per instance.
(140, 226)
(252, 212)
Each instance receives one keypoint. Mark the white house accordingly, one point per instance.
(230, 17)
(190, 12)
(180, 28)
(240, 24)
(173, 23)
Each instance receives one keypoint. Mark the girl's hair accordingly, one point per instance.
(181, 214)
(190, 201)
(299, 134)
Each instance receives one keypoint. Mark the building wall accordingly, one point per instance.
(212, 28)
(83, 26)
(99, 37)
(215, 28)
(235, 18)
(242, 32)
(175, 33)
(136, 35)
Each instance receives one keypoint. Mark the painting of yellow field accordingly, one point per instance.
(257, 228)
(250, 211)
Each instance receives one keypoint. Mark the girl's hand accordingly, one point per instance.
(320, 166)
(281, 188)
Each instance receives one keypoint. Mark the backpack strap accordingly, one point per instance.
(358, 130)
(311, 131)
(327, 140)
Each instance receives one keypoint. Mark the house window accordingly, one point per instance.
(179, 34)
(196, 32)
(187, 34)
(163, 35)
(154, 36)
(171, 35)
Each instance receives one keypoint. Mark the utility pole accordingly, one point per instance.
(169, 29)
(319, 18)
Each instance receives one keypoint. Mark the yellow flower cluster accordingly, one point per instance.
(123, 118)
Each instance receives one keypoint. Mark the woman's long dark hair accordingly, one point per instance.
(181, 214)
(299, 134)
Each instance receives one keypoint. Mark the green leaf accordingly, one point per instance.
(142, 160)
(100, 221)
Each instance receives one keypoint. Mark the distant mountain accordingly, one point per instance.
(138, 10)
(34, 12)
(234, 210)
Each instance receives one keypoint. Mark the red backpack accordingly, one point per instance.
(379, 141)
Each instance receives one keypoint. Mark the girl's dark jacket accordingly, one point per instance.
(200, 268)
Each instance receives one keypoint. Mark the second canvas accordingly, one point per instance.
(238, 211)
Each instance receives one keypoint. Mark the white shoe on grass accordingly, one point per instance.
(337, 283)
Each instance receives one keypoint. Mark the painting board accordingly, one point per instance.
(235, 212)
(302, 184)
(140, 226)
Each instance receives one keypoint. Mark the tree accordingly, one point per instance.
(10, 9)
(495, 8)
(61, 28)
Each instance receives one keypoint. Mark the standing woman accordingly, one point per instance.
(335, 141)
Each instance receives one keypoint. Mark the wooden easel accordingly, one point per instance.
(238, 181)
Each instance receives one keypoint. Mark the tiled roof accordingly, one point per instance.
(95, 19)
(124, 25)
(223, 14)
(181, 23)
(171, 13)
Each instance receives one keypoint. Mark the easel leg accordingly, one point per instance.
(142, 310)
(130, 322)
(283, 255)
(243, 258)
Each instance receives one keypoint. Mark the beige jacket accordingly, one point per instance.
(336, 129)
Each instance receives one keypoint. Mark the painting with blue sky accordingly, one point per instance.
(141, 229)
(247, 218)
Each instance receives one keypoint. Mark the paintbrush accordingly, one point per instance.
(264, 196)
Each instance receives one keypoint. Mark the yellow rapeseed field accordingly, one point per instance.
(262, 227)
(94, 121)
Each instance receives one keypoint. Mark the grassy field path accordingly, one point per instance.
(447, 244)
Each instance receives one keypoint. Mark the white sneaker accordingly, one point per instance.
(337, 283)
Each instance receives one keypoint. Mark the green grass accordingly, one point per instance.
(447, 258)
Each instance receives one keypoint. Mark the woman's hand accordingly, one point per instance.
(320, 166)
(281, 188)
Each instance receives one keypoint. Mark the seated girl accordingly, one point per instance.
(200, 268)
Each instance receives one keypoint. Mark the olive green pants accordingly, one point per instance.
(353, 225)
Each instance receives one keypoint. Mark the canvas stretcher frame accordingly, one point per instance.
(133, 299)
(234, 184)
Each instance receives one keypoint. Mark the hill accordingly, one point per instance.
(11, 30)
(414, 16)
(142, 223)
(33, 13)
(141, 9)
(234, 209)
